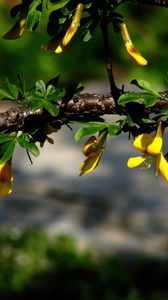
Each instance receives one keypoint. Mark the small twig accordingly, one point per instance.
(115, 92)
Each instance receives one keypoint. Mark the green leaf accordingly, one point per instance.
(6, 151)
(165, 110)
(5, 94)
(130, 97)
(31, 147)
(33, 19)
(5, 138)
(33, 16)
(150, 100)
(36, 104)
(41, 87)
(88, 31)
(13, 89)
(56, 95)
(50, 90)
(113, 129)
(87, 131)
(148, 121)
(51, 108)
(21, 82)
(146, 86)
(58, 5)
(141, 98)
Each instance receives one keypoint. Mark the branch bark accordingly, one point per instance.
(85, 107)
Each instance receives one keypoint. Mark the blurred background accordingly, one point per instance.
(104, 235)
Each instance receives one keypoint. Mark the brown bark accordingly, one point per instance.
(83, 107)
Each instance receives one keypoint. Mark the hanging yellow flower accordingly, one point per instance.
(93, 150)
(59, 42)
(16, 31)
(72, 29)
(5, 179)
(132, 51)
(150, 146)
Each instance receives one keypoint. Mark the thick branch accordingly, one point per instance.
(81, 107)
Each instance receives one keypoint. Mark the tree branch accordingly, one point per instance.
(84, 107)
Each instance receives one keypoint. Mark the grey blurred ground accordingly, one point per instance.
(112, 209)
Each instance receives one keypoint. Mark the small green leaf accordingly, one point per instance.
(31, 147)
(87, 131)
(50, 90)
(51, 108)
(88, 31)
(21, 83)
(165, 110)
(130, 97)
(58, 5)
(36, 104)
(5, 94)
(13, 89)
(148, 100)
(41, 87)
(58, 94)
(6, 151)
(5, 138)
(146, 86)
(113, 129)
(33, 16)
(148, 121)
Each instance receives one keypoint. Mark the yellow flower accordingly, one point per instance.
(150, 146)
(58, 43)
(5, 179)
(132, 51)
(16, 31)
(93, 150)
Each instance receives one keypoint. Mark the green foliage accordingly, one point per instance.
(31, 265)
(24, 142)
(149, 99)
(94, 127)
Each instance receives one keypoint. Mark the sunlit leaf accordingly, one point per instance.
(6, 151)
(31, 147)
(146, 86)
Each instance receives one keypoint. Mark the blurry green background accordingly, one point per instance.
(35, 264)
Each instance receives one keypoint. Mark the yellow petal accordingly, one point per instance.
(59, 49)
(132, 51)
(72, 28)
(135, 54)
(16, 31)
(142, 141)
(136, 161)
(155, 147)
(159, 132)
(5, 188)
(90, 164)
(74, 25)
(5, 172)
(93, 149)
(162, 166)
(90, 146)
(125, 33)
